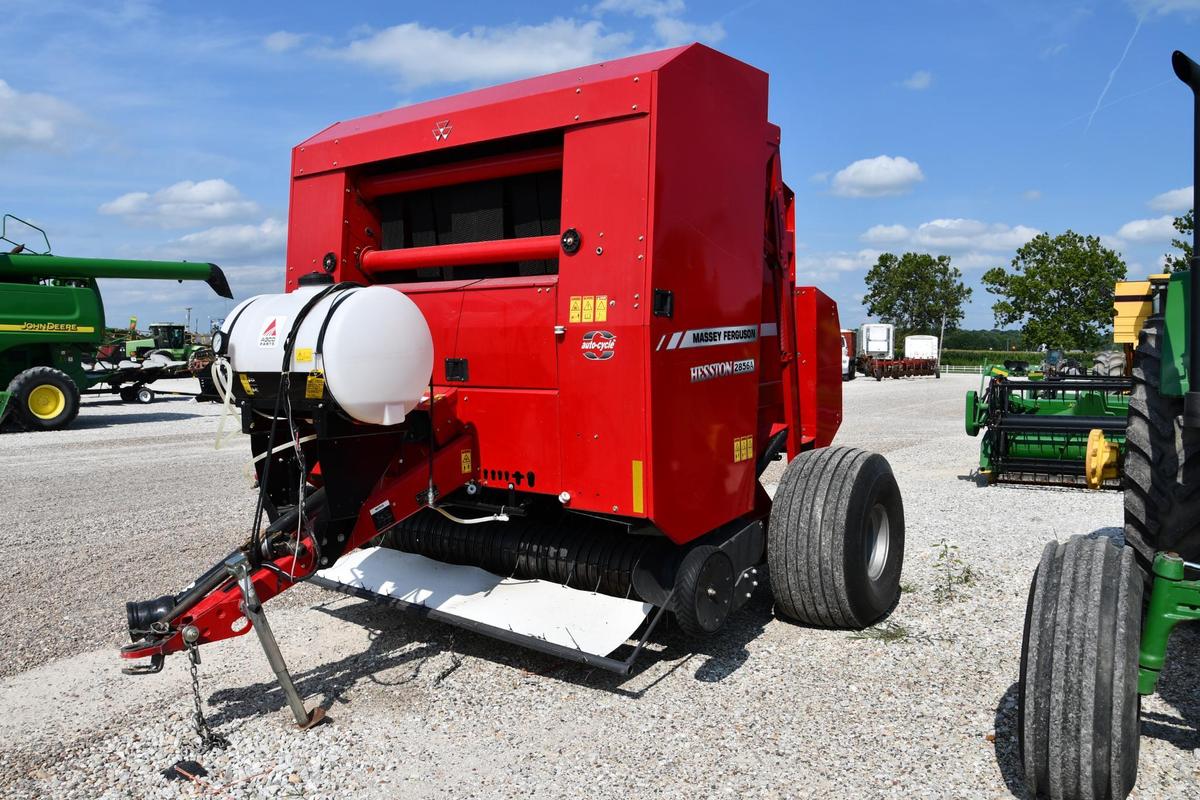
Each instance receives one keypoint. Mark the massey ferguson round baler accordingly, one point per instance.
(539, 343)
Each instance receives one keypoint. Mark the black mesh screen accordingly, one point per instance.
(506, 208)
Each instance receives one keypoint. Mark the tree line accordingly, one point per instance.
(1058, 290)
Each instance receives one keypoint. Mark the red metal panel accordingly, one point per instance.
(709, 190)
(517, 434)
(506, 333)
(605, 169)
(819, 356)
(448, 125)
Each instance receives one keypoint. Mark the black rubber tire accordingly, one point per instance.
(698, 611)
(1162, 461)
(819, 538)
(1110, 363)
(878, 373)
(1078, 704)
(144, 395)
(128, 394)
(26, 382)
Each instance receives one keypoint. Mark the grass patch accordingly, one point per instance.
(887, 633)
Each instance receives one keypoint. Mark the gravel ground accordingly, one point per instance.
(133, 501)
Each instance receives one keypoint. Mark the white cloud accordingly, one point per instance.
(971, 234)
(886, 234)
(818, 267)
(971, 243)
(282, 41)
(919, 80)
(232, 243)
(669, 25)
(876, 177)
(183, 204)
(30, 119)
(1176, 200)
(1159, 229)
(1056, 50)
(421, 56)
(1032, 194)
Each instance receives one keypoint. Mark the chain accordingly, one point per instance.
(208, 740)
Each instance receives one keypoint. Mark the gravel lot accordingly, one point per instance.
(133, 501)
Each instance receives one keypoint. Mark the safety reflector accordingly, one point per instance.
(549, 612)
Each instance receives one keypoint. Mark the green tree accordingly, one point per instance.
(915, 292)
(1060, 290)
(1185, 225)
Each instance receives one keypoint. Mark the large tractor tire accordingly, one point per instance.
(1162, 461)
(1110, 363)
(1078, 704)
(835, 540)
(43, 399)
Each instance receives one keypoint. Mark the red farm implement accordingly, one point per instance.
(537, 345)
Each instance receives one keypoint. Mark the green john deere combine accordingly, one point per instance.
(1092, 646)
(52, 323)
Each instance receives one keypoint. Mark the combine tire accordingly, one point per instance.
(1162, 462)
(703, 591)
(1078, 702)
(1110, 363)
(43, 399)
(835, 542)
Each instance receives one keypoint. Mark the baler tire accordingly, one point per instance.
(703, 591)
(878, 373)
(26, 383)
(1161, 476)
(1078, 704)
(835, 538)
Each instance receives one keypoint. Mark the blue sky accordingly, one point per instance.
(164, 129)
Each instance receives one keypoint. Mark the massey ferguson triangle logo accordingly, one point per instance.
(599, 345)
(441, 130)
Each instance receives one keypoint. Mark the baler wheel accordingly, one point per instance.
(835, 540)
(44, 399)
(1162, 461)
(878, 373)
(703, 591)
(1078, 702)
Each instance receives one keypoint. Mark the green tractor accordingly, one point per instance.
(171, 343)
(52, 327)
(1100, 612)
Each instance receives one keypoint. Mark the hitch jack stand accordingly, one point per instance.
(239, 567)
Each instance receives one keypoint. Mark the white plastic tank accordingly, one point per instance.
(376, 355)
(877, 340)
(919, 346)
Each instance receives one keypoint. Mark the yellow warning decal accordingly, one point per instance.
(247, 386)
(314, 387)
(304, 355)
(576, 305)
(589, 308)
(466, 462)
(639, 491)
(743, 448)
(46, 327)
(601, 308)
